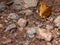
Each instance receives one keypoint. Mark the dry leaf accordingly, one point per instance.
(44, 11)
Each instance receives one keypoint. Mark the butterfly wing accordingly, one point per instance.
(42, 9)
(47, 12)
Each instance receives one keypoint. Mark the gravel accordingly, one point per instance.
(26, 3)
(14, 29)
(30, 3)
(57, 21)
(17, 7)
(17, 1)
(22, 22)
(48, 43)
(13, 16)
(44, 34)
(26, 12)
(2, 7)
(32, 31)
(49, 27)
(56, 41)
(1, 25)
(9, 27)
(6, 41)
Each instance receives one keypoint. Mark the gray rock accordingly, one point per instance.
(31, 31)
(2, 7)
(9, 27)
(44, 34)
(49, 27)
(22, 22)
(30, 3)
(13, 16)
(57, 21)
(17, 1)
(26, 3)
(26, 12)
(17, 7)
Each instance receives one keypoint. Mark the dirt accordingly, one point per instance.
(18, 36)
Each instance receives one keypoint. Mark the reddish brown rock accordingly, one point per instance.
(4, 1)
(44, 34)
(1, 25)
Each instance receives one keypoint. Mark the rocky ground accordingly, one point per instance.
(20, 23)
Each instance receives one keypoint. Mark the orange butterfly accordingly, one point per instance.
(44, 11)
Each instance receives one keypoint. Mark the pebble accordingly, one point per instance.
(6, 41)
(1, 25)
(48, 43)
(49, 27)
(44, 34)
(2, 7)
(9, 27)
(26, 12)
(22, 22)
(13, 16)
(26, 3)
(42, 43)
(17, 1)
(55, 32)
(57, 21)
(56, 41)
(4, 1)
(30, 3)
(17, 7)
(31, 31)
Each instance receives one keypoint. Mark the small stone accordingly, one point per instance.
(7, 41)
(48, 43)
(55, 32)
(22, 22)
(43, 43)
(1, 25)
(56, 41)
(9, 27)
(26, 3)
(17, 1)
(31, 31)
(26, 42)
(57, 21)
(51, 19)
(6, 21)
(2, 7)
(49, 27)
(26, 12)
(30, 3)
(17, 7)
(44, 34)
(4, 1)
(13, 16)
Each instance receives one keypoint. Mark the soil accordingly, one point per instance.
(17, 36)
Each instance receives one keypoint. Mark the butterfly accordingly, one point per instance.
(44, 11)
